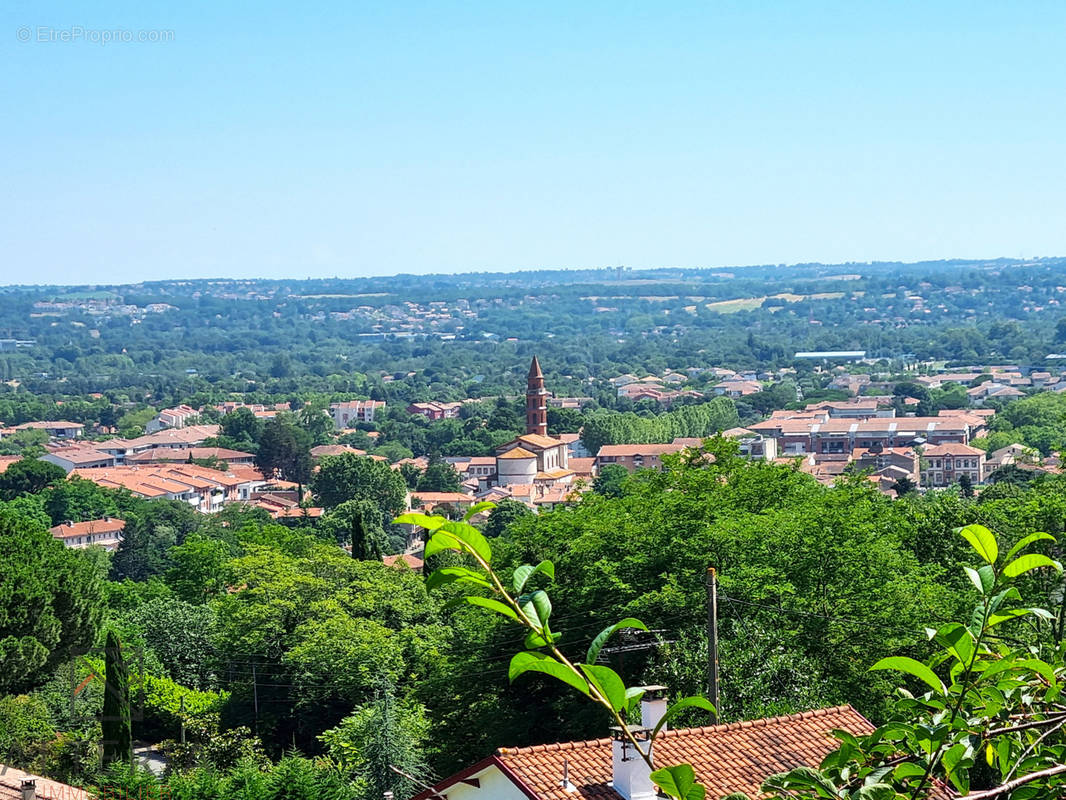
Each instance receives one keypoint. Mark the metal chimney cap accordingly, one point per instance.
(639, 732)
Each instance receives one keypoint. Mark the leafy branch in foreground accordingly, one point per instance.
(990, 719)
(531, 609)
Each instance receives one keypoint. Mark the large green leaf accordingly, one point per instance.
(440, 542)
(477, 508)
(1015, 613)
(537, 607)
(527, 571)
(446, 575)
(958, 640)
(982, 540)
(912, 667)
(492, 605)
(422, 520)
(607, 681)
(688, 702)
(634, 694)
(1031, 561)
(679, 782)
(1028, 540)
(535, 640)
(984, 578)
(471, 537)
(607, 633)
(540, 662)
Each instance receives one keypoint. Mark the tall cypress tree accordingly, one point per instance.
(115, 722)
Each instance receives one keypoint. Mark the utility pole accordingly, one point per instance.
(255, 699)
(181, 716)
(712, 642)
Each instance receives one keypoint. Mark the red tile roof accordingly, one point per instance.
(736, 757)
(410, 561)
(11, 786)
(107, 525)
(952, 449)
(517, 452)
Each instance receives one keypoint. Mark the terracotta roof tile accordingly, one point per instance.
(517, 452)
(736, 757)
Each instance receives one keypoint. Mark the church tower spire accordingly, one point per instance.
(536, 401)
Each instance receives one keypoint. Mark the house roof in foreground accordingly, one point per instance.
(735, 757)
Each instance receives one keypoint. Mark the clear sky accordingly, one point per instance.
(356, 138)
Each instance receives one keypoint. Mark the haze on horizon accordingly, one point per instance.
(435, 137)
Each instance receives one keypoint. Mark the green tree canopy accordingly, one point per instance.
(51, 602)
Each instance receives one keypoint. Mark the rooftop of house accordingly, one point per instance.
(48, 425)
(951, 449)
(859, 452)
(105, 525)
(442, 497)
(79, 454)
(582, 466)
(300, 512)
(407, 559)
(735, 757)
(11, 786)
(335, 450)
(185, 453)
(630, 450)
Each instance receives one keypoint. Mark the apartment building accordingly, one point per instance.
(945, 464)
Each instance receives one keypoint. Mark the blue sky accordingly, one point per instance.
(355, 138)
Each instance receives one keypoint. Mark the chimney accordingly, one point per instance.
(653, 706)
(631, 776)
(29, 789)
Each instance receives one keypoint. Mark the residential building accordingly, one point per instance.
(105, 533)
(574, 446)
(427, 501)
(943, 465)
(434, 410)
(641, 456)
(207, 490)
(322, 450)
(172, 455)
(753, 445)
(992, 389)
(177, 417)
(78, 456)
(569, 402)
(57, 429)
(408, 560)
(1012, 454)
(736, 389)
(351, 412)
(857, 408)
(801, 434)
(179, 438)
(734, 757)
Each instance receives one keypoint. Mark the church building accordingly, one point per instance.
(534, 459)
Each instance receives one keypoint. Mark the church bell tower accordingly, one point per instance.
(536, 401)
